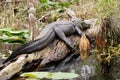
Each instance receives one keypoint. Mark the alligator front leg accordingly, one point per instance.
(80, 32)
(62, 36)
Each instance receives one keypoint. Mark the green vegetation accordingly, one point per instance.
(49, 75)
(106, 8)
(9, 35)
(57, 7)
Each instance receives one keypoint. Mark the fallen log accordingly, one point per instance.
(53, 52)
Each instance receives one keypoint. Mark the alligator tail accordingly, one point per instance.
(31, 46)
(16, 52)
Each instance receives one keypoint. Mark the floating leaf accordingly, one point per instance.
(10, 35)
(49, 75)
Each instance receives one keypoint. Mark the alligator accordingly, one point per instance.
(59, 29)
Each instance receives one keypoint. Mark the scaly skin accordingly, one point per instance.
(59, 29)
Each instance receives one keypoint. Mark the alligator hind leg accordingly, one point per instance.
(64, 62)
(62, 36)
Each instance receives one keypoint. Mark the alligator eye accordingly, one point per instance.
(85, 26)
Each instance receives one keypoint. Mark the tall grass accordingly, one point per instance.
(106, 8)
(12, 14)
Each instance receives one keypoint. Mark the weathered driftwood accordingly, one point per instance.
(55, 51)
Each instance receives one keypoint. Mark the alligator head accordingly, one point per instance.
(80, 23)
